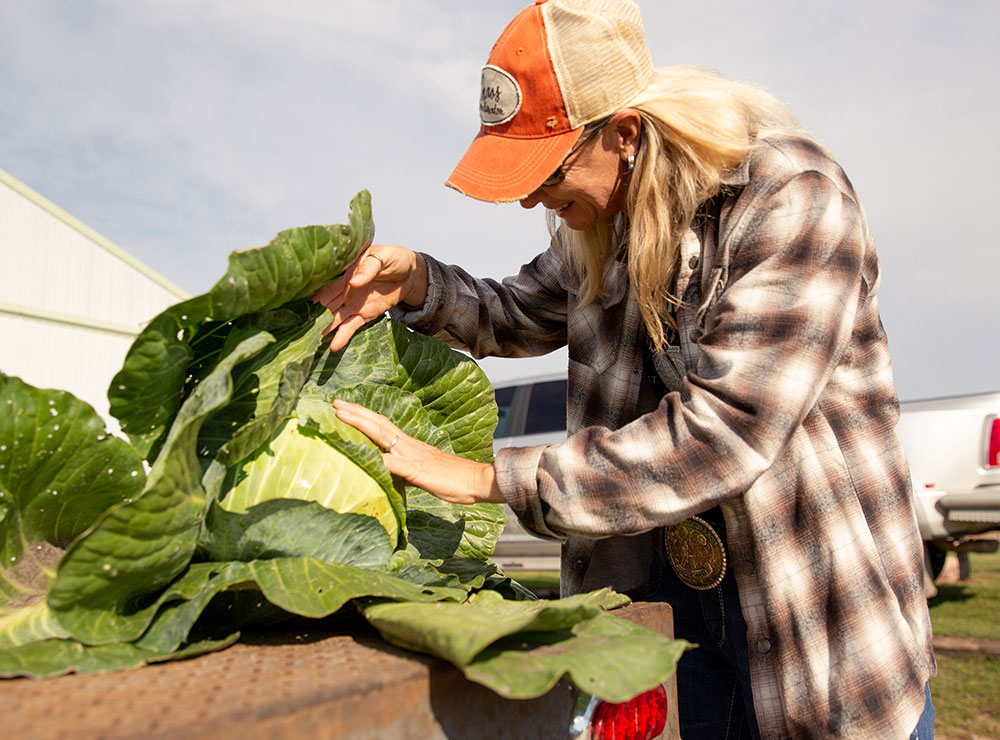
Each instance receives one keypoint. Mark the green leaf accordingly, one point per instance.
(56, 657)
(470, 572)
(459, 632)
(293, 266)
(607, 656)
(179, 607)
(453, 390)
(139, 547)
(467, 573)
(29, 624)
(303, 586)
(312, 588)
(59, 472)
(439, 529)
(167, 622)
(267, 386)
(290, 528)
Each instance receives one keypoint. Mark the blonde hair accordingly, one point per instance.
(696, 126)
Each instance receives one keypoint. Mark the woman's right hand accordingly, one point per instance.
(381, 277)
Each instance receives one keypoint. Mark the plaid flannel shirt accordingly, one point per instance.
(785, 419)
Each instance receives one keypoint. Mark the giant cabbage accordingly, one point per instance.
(238, 479)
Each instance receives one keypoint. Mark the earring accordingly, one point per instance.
(631, 162)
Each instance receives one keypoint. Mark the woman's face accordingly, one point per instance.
(594, 188)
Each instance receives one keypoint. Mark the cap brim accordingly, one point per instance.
(498, 169)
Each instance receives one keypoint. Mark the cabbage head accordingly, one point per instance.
(239, 489)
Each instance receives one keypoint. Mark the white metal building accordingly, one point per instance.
(71, 302)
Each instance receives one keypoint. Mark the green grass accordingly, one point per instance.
(966, 691)
(544, 583)
(970, 608)
(966, 697)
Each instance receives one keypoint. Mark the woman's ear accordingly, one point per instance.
(626, 127)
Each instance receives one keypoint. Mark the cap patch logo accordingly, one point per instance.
(500, 97)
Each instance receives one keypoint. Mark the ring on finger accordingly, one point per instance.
(392, 444)
(381, 261)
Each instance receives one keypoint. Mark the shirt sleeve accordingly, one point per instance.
(773, 333)
(520, 316)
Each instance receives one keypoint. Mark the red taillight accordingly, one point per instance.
(640, 718)
(993, 445)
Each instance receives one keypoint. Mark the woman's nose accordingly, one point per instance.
(531, 200)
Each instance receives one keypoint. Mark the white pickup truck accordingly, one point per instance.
(953, 448)
(952, 444)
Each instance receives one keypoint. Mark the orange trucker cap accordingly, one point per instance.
(559, 65)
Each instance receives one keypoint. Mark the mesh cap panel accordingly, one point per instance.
(599, 53)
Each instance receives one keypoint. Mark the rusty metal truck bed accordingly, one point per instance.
(332, 678)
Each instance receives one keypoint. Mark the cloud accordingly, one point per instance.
(217, 124)
(184, 129)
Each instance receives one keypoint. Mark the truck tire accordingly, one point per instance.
(934, 560)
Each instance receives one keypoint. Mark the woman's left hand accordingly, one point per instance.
(449, 477)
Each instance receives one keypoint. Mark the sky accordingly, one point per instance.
(182, 130)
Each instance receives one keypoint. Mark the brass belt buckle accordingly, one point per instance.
(696, 553)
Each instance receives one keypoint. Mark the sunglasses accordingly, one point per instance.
(560, 174)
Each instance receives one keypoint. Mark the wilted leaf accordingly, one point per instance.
(607, 657)
(459, 632)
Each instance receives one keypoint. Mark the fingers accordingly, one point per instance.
(362, 264)
(368, 288)
(401, 453)
(359, 273)
(373, 425)
(331, 295)
(449, 477)
(367, 268)
(343, 331)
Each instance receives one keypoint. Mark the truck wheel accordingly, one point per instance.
(934, 560)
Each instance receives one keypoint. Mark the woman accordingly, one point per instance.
(731, 407)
